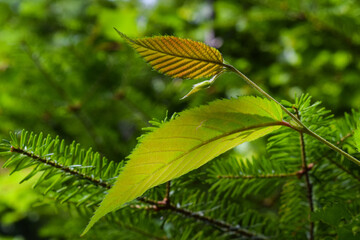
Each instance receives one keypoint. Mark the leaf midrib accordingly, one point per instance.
(175, 55)
(171, 54)
(269, 124)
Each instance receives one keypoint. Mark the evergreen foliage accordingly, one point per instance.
(66, 73)
(221, 194)
(67, 172)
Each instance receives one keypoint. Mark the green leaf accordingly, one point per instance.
(189, 141)
(61, 169)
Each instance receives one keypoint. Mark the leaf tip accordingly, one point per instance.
(99, 213)
(105, 207)
(123, 35)
(89, 226)
(120, 33)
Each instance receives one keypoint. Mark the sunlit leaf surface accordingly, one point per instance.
(178, 57)
(189, 141)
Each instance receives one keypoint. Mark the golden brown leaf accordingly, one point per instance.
(178, 57)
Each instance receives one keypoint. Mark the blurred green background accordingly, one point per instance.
(65, 71)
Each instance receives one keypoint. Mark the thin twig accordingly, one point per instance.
(343, 168)
(297, 174)
(159, 205)
(343, 139)
(339, 144)
(281, 175)
(307, 178)
(167, 193)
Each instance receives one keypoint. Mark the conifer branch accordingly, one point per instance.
(222, 225)
(297, 174)
(340, 143)
(280, 175)
(65, 169)
(343, 168)
(165, 204)
(307, 178)
(160, 205)
(155, 205)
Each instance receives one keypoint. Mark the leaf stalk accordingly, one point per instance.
(301, 127)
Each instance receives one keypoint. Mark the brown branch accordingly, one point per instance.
(307, 178)
(153, 205)
(167, 193)
(160, 205)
